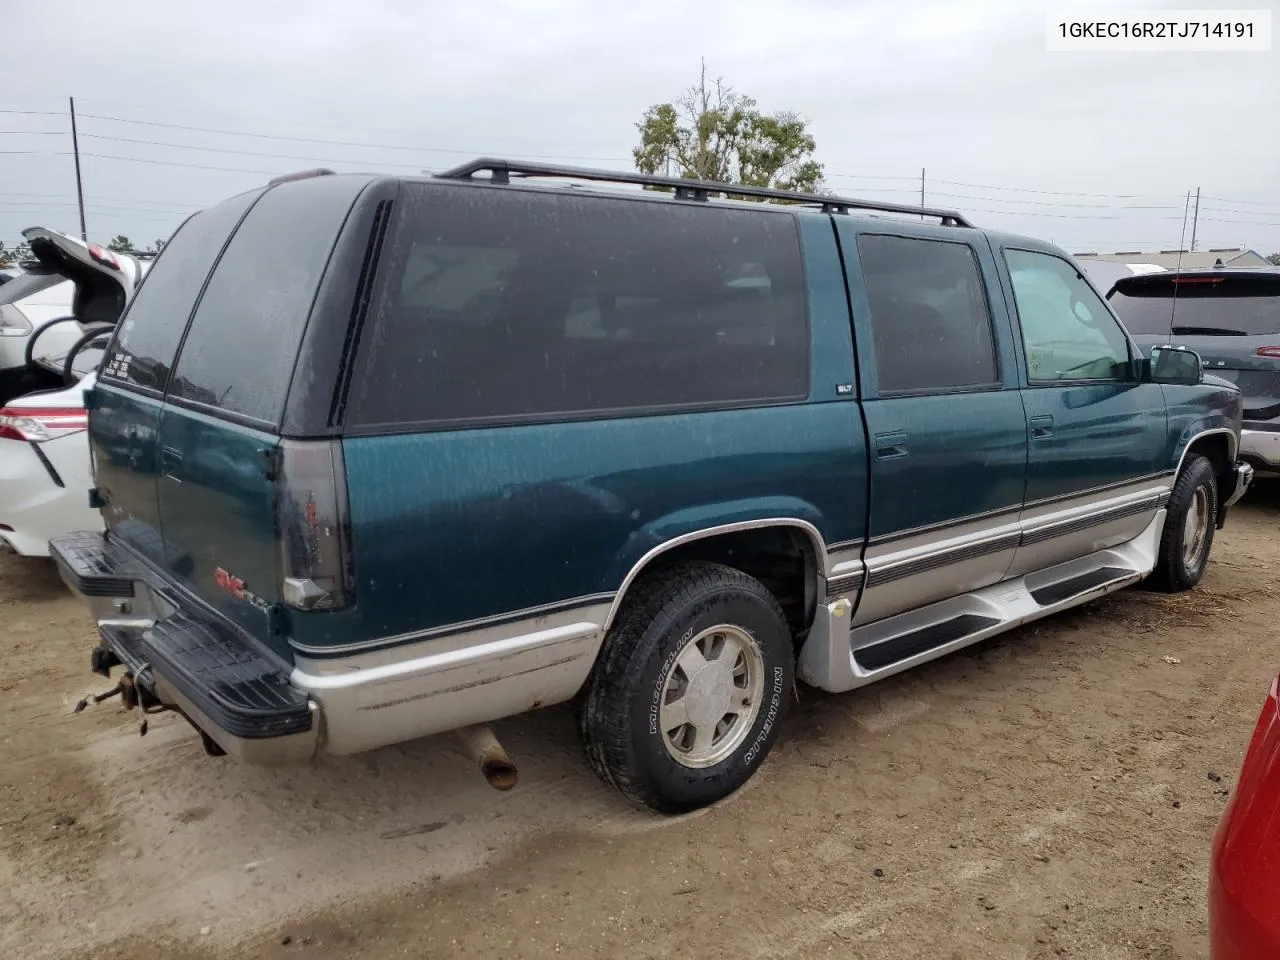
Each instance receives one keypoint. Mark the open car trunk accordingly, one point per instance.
(103, 282)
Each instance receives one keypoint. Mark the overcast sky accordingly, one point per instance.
(1092, 151)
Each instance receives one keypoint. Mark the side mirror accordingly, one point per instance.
(1170, 364)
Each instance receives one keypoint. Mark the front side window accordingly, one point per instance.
(1067, 331)
(929, 315)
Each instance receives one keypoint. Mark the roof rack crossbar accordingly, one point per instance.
(501, 171)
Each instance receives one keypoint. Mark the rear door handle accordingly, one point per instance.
(170, 460)
(890, 445)
(1041, 427)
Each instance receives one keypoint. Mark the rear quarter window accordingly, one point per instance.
(1227, 305)
(28, 285)
(239, 354)
(147, 339)
(498, 304)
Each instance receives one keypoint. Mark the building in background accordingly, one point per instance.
(1186, 259)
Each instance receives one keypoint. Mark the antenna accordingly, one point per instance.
(1173, 313)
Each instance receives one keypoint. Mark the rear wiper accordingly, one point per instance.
(1208, 332)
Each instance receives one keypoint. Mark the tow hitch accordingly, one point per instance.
(133, 689)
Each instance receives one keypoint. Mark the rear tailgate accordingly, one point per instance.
(1231, 319)
(127, 405)
(219, 453)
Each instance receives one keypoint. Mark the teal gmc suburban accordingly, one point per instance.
(384, 457)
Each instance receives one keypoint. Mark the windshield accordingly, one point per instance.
(1244, 306)
(28, 284)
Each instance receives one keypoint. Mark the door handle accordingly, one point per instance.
(1041, 427)
(170, 460)
(890, 445)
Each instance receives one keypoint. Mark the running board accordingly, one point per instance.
(907, 645)
(837, 658)
(1054, 593)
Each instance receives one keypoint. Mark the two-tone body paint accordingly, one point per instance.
(458, 526)
(490, 562)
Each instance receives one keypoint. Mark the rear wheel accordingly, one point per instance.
(1188, 528)
(691, 687)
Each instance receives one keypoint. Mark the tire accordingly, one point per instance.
(700, 616)
(1183, 554)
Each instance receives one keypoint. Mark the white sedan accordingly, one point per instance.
(53, 325)
(44, 469)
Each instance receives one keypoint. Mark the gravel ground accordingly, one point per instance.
(1049, 793)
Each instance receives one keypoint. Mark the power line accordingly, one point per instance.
(25, 199)
(1254, 203)
(1056, 203)
(335, 143)
(245, 153)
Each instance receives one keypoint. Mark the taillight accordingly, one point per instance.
(13, 323)
(41, 423)
(315, 534)
(104, 257)
(1273, 352)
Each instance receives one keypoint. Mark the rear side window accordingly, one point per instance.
(1242, 306)
(147, 338)
(28, 285)
(929, 315)
(498, 304)
(240, 351)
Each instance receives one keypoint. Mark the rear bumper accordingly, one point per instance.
(221, 681)
(1260, 445)
(33, 506)
(1241, 479)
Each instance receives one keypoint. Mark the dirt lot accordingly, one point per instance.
(1050, 793)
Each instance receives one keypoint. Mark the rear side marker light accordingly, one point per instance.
(1273, 352)
(41, 423)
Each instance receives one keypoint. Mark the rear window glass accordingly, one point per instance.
(28, 285)
(1225, 306)
(929, 314)
(506, 304)
(147, 338)
(240, 351)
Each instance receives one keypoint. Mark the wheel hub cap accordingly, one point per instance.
(1195, 528)
(711, 696)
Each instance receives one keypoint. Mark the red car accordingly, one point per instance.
(1244, 872)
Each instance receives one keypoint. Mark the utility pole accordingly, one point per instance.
(1194, 220)
(922, 193)
(75, 149)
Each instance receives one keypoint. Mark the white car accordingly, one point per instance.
(73, 288)
(44, 469)
(51, 339)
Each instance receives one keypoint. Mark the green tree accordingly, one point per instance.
(121, 244)
(1274, 258)
(12, 256)
(158, 245)
(712, 132)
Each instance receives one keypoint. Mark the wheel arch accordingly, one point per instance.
(711, 542)
(1218, 444)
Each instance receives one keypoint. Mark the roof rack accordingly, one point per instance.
(501, 171)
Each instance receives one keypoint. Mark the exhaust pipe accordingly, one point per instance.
(487, 753)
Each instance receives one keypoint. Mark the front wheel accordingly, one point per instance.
(1188, 528)
(691, 688)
